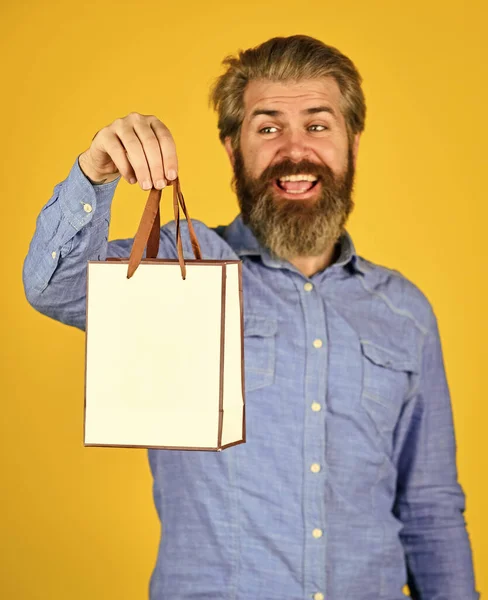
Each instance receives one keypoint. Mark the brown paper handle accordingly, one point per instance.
(148, 233)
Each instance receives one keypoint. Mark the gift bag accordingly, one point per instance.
(164, 345)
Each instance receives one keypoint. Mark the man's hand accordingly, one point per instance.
(138, 147)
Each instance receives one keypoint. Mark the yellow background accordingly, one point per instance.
(79, 523)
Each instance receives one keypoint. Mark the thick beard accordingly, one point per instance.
(290, 228)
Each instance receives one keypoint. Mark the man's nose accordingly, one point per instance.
(294, 146)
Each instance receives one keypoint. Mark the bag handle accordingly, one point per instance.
(148, 232)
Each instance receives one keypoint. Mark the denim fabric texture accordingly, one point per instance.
(347, 485)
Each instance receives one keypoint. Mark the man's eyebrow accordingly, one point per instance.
(308, 111)
(318, 109)
(264, 111)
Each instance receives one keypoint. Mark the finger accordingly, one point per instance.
(115, 149)
(168, 149)
(135, 155)
(152, 151)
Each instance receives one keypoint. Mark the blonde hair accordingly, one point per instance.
(291, 58)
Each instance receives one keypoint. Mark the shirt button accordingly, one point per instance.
(87, 208)
(318, 596)
(315, 468)
(53, 254)
(316, 407)
(317, 343)
(308, 287)
(317, 533)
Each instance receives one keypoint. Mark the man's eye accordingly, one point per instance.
(318, 128)
(268, 130)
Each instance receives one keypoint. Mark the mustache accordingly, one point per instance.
(288, 167)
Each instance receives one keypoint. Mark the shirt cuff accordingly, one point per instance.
(81, 201)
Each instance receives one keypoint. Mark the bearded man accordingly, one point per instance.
(346, 487)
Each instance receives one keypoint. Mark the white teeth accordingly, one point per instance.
(299, 178)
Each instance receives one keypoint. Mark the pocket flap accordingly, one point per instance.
(260, 326)
(390, 359)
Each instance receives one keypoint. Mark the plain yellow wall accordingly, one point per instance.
(79, 523)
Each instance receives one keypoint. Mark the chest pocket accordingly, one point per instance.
(259, 351)
(387, 379)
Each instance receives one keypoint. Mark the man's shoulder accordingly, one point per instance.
(211, 239)
(397, 291)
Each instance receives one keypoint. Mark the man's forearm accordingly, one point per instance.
(439, 558)
(71, 229)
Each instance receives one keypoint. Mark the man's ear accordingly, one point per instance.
(229, 150)
(355, 148)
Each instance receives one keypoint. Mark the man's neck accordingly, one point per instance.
(309, 265)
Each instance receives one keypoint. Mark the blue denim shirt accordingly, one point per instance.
(347, 486)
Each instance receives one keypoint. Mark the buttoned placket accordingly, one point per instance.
(316, 377)
(314, 467)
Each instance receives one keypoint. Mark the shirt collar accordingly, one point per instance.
(240, 237)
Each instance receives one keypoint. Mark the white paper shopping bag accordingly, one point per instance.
(164, 346)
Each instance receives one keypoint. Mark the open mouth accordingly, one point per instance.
(297, 185)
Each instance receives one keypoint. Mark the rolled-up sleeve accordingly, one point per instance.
(430, 503)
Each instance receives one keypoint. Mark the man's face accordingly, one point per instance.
(294, 168)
